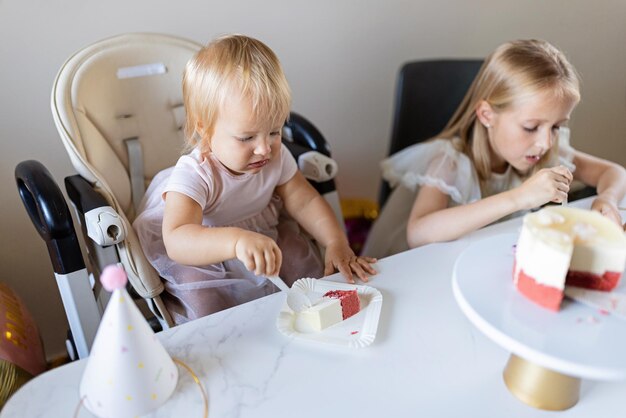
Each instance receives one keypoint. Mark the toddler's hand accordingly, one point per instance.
(341, 257)
(546, 185)
(258, 253)
(607, 208)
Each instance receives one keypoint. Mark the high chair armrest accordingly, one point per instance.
(104, 225)
(83, 195)
(51, 216)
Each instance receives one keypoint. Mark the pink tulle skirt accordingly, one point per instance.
(192, 292)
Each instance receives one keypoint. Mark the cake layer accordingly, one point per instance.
(546, 296)
(350, 303)
(598, 259)
(607, 281)
(323, 314)
(545, 262)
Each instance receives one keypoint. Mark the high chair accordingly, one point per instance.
(117, 105)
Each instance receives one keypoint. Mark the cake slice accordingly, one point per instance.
(335, 306)
(563, 245)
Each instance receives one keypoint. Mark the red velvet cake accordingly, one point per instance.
(349, 299)
(561, 246)
(332, 308)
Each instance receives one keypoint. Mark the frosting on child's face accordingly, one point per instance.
(525, 132)
(242, 141)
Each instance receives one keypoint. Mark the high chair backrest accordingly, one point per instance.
(117, 105)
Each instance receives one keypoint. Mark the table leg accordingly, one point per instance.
(540, 387)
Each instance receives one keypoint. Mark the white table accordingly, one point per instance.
(427, 360)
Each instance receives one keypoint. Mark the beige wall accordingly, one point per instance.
(341, 58)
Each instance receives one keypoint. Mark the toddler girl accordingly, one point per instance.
(220, 221)
(504, 151)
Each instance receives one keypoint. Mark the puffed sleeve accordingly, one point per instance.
(437, 164)
(193, 177)
(566, 152)
(288, 165)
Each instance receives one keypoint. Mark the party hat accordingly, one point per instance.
(128, 371)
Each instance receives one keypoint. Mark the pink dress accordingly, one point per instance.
(246, 201)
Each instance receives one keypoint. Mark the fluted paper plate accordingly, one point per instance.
(355, 332)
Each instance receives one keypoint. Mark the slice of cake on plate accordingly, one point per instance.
(563, 245)
(335, 306)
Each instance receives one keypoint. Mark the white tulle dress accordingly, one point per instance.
(246, 201)
(438, 164)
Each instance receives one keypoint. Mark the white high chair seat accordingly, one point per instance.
(124, 87)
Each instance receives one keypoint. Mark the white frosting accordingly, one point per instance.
(324, 313)
(543, 256)
(556, 239)
(583, 232)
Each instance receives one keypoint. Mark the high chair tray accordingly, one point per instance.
(355, 332)
(578, 340)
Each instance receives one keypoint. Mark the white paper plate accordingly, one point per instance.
(357, 331)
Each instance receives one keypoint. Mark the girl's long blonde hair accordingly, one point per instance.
(232, 64)
(514, 71)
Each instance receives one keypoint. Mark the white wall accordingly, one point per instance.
(341, 58)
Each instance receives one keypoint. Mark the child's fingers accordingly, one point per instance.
(346, 270)
(365, 265)
(270, 263)
(564, 171)
(279, 259)
(359, 271)
(259, 261)
(329, 268)
(250, 264)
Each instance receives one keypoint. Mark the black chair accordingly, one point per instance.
(427, 94)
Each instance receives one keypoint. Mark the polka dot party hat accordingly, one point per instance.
(128, 371)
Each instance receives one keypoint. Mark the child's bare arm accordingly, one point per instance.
(315, 215)
(608, 178)
(188, 242)
(432, 221)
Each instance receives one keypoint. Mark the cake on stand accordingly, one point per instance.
(550, 351)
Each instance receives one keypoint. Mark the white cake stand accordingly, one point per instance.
(551, 351)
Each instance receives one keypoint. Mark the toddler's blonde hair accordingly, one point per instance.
(232, 64)
(513, 72)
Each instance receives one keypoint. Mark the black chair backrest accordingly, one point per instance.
(427, 94)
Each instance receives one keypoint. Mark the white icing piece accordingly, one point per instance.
(583, 231)
(323, 314)
(548, 217)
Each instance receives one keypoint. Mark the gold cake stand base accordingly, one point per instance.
(540, 387)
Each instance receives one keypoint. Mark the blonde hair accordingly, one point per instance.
(514, 71)
(232, 63)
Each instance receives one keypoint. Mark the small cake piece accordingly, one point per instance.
(333, 307)
(561, 246)
(350, 303)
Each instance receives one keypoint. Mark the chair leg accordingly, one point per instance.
(80, 307)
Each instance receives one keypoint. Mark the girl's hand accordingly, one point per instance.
(607, 208)
(339, 256)
(258, 253)
(546, 185)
